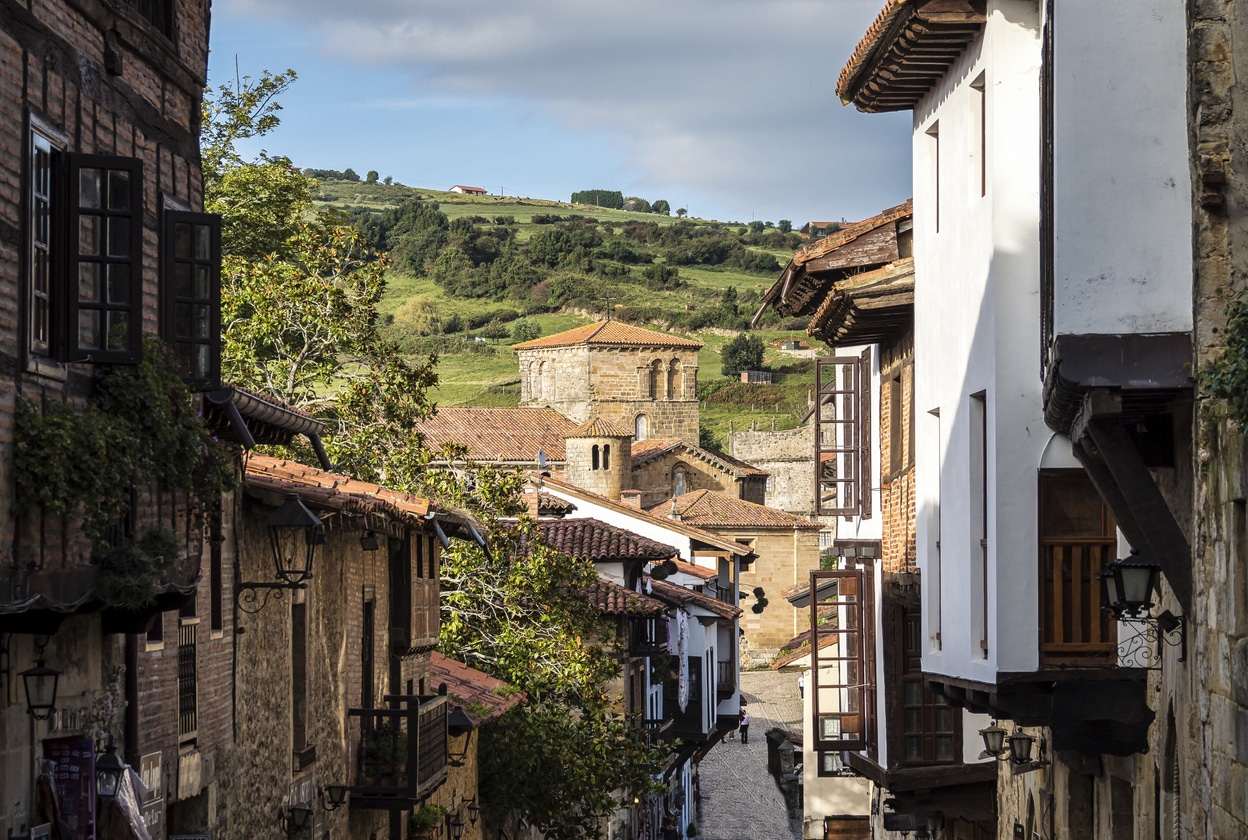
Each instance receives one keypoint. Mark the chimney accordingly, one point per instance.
(675, 513)
(631, 498)
(533, 502)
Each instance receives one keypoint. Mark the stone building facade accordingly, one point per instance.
(640, 379)
(99, 120)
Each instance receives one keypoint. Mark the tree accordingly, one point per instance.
(785, 225)
(299, 299)
(387, 180)
(520, 614)
(494, 330)
(662, 207)
(349, 174)
(682, 212)
(756, 226)
(525, 329)
(745, 352)
(371, 177)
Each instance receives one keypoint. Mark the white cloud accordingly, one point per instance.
(726, 99)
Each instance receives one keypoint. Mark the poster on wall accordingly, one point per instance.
(154, 802)
(75, 782)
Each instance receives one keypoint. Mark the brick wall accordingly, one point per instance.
(896, 453)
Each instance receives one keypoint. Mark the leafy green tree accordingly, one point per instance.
(756, 226)
(371, 177)
(662, 207)
(785, 225)
(525, 329)
(494, 330)
(350, 174)
(299, 299)
(681, 212)
(639, 205)
(520, 614)
(745, 352)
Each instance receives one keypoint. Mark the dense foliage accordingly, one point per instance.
(300, 290)
(520, 614)
(745, 352)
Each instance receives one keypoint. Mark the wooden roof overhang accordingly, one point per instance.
(906, 51)
(867, 245)
(869, 308)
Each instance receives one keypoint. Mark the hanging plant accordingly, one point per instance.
(139, 429)
(131, 572)
(1226, 377)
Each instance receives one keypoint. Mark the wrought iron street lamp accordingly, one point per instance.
(459, 724)
(1015, 747)
(294, 818)
(40, 684)
(108, 772)
(294, 532)
(1129, 585)
(333, 796)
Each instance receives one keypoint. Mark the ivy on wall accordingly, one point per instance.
(1226, 377)
(139, 429)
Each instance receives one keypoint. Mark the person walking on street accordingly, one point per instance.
(745, 726)
(801, 685)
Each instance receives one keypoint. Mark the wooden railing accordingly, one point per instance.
(1074, 628)
(401, 753)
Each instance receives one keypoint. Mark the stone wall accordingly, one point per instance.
(785, 559)
(656, 478)
(617, 383)
(789, 456)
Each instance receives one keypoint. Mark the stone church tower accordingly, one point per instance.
(600, 457)
(642, 380)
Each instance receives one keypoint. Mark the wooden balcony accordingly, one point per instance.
(647, 636)
(401, 752)
(1075, 631)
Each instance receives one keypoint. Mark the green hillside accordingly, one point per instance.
(465, 270)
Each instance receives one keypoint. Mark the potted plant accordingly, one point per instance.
(425, 822)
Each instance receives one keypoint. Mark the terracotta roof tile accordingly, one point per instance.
(594, 540)
(699, 534)
(492, 434)
(613, 599)
(800, 646)
(600, 427)
(483, 697)
(874, 35)
(842, 237)
(548, 504)
(679, 596)
(609, 333)
(697, 571)
(332, 492)
(708, 509)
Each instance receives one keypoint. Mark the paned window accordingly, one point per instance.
(928, 727)
(843, 436)
(841, 674)
(39, 315)
(105, 258)
(192, 293)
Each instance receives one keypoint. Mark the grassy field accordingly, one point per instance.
(487, 374)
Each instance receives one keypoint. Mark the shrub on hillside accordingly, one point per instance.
(745, 352)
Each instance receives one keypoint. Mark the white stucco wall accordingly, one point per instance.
(1122, 233)
(977, 332)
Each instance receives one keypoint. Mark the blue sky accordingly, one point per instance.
(725, 107)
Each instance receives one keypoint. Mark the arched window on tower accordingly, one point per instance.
(678, 482)
(674, 384)
(640, 428)
(594, 462)
(539, 381)
(606, 456)
(656, 374)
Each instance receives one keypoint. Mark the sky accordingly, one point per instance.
(724, 107)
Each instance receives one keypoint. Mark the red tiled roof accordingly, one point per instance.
(599, 427)
(613, 599)
(609, 333)
(594, 540)
(920, 36)
(648, 450)
(493, 434)
(800, 646)
(551, 505)
(699, 534)
(483, 697)
(696, 571)
(708, 509)
(841, 237)
(332, 492)
(678, 596)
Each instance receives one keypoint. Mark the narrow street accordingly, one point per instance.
(740, 799)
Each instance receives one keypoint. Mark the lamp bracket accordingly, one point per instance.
(247, 594)
(1143, 648)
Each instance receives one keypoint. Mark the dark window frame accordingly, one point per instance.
(126, 269)
(190, 287)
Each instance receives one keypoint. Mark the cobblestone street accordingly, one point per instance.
(740, 799)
